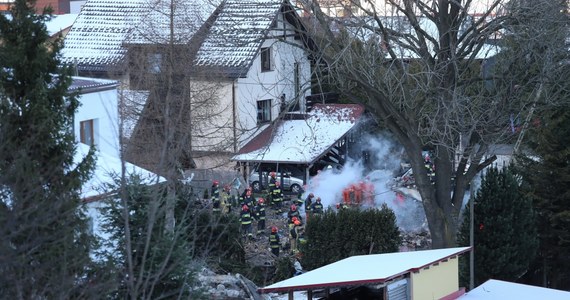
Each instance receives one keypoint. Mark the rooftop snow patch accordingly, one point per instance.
(302, 141)
(237, 33)
(500, 290)
(97, 34)
(106, 168)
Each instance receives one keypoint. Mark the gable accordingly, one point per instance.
(237, 33)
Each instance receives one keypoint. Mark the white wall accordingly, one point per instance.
(102, 107)
(272, 84)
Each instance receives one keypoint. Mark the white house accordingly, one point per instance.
(96, 121)
(250, 54)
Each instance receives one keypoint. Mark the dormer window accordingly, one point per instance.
(266, 63)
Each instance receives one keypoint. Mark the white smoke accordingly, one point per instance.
(386, 158)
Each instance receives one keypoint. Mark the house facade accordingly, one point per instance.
(234, 67)
(97, 118)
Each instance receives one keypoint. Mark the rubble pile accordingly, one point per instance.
(415, 240)
(227, 287)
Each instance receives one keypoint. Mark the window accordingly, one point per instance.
(263, 111)
(86, 132)
(154, 63)
(266, 59)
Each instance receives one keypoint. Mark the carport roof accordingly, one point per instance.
(302, 141)
(365, 269)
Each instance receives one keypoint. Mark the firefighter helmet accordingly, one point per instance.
(318, 199)
(273, 229)
(245, 208)
(261, 201)
(215, 182)
(272, 174)
(293, 207)
(311, 195)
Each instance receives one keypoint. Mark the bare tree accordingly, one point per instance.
(431, 73)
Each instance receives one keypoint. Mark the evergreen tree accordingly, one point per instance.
(162, 263)
(505, 232)
(547, 180)
(337, 235)
(44, 248)
(147, 261)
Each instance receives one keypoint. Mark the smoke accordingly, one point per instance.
(380, 170)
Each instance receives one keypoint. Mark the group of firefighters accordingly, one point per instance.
(252, 209)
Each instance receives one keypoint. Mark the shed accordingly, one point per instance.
(428, 274)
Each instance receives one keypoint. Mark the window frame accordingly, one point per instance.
(265, 59)
(263, 111)
(83, 135)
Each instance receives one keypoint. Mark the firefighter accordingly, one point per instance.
(226, 204)
(274, 242)
(260, 216)
(317, 207)
(294, 234)
(277, 197)
(216, 201)
(248, 199)
(309, 201)
(293, 213)
(272, 181)
(341, 206)
(245, 220)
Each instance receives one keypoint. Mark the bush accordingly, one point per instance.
(337, 235)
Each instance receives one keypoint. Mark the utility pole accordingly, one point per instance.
(471, 236)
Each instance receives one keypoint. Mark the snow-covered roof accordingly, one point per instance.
(237, 33)
(302, 141)
(59, 23)
(95, 39)
(364, 269)
(500, 290)
(107, 166)
(188, 18)
(88, 84)
(100, 33)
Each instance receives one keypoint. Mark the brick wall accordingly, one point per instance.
(59, 6)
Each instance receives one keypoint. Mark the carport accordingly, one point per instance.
(316, 139)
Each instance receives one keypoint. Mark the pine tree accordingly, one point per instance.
(44, 248)
(547, 180)
(505, 239)
(337, 235)
(162, 263)
(157, 262)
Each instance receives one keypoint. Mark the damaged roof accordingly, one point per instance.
(302, 141)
